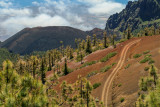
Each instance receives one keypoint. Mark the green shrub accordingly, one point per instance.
(96, 85)
(79, 57)
(122, 40)
(114, 64)
(88, 64)
(108, 56)
(151, 61)
(146, 59)
(137, 55)
(119, 85)
(128, 66)
(146, 52)
(146, 68)
(92, 73)
(106, 68)
(122, 99)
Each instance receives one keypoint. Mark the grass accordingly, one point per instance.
(92, 74)
(96, 85)
(128, 66)
(137, 55)
(106, 68)
(108, 56)
(88, 64)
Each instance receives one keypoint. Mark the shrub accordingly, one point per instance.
(122, 40)
(105, 69)
(146, 52)
(92, 73)
(108, 56)
(114, 64)
(137, 55)
(146, 68)
(146, 59)
(96, 85)
(151, 61)
(79, 57)
(119, 85)
(88, 64)
(122, 99)
(128, 66)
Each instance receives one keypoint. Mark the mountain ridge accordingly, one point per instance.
(44, 38)
(135, 14)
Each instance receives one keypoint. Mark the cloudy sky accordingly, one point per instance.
(16, 15)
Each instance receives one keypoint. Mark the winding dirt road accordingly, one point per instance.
(108, 82)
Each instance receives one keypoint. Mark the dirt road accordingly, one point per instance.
(109, 80)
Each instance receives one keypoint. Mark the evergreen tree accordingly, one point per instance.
(34, 68)
(76, 43)
(43, 74)
(129, 33)
(66, 72)
(113, 41)
(88, 45)
(153, 73)
(105, 40)
(49, 61)
(94, 39)
(124, 34)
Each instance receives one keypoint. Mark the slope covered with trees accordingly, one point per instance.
(137, 14)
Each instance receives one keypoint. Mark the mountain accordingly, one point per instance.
(137, 14)
(43, 39)
(97, 31)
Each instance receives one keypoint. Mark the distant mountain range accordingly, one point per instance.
(137, 14)
(45, 38)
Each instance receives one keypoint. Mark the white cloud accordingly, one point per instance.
(105, 8)
(101, 7)
(5, 3)
(15, 24)
(85, 16)
(15, 12)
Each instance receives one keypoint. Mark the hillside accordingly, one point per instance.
(128, 76)
(42, 39)
(137, 14)
(45, 38)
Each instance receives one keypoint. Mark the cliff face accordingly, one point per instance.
(136, 14)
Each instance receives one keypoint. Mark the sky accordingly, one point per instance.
(16, 15)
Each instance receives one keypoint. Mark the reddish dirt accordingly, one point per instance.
(128, 78)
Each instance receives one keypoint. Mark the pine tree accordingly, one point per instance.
(88, 45)
(66, 72)
(7, 68)
(88, 92)
(113, 41)
(43, 74)
(124, 34)
(76, 43)
(153, 73)
(94, 39)
(49, 61)
(105, 40)
(129, 33)
(34, 68)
